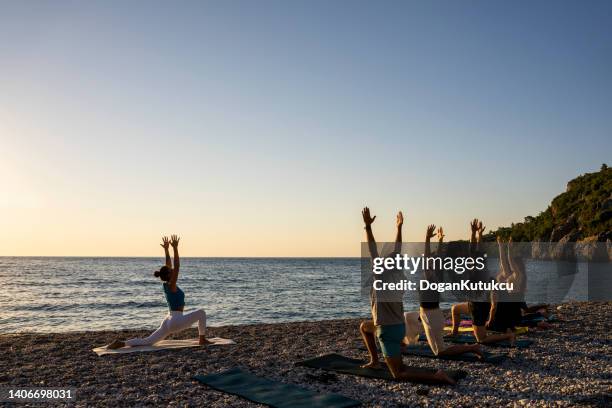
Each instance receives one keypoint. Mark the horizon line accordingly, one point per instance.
(182, 257)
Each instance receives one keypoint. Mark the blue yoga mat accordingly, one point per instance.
(423, 350)
(345, 365)
(272, 393)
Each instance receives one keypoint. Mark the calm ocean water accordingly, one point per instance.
(43, 294)
(64, 294)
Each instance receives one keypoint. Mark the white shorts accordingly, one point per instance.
(175, 322)
(414, 328)
(433, 323)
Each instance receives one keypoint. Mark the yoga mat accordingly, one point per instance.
(462, 323)
(345, 365)
(533, 319)
(517, 330)
(423, 350)
(272, 393)
(470, 339)
(164, 345)
(528, 320)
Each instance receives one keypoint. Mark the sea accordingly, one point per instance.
(62, 294)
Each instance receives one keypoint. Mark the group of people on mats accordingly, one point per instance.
(396, 329)
(393, 328)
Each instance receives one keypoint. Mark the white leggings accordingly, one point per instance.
(173, 323)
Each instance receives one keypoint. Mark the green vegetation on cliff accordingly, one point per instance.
(584, 211)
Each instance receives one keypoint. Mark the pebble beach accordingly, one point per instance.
(567, 366)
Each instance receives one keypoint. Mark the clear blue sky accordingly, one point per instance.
(262, 128)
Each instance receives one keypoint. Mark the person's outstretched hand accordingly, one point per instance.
(165, 242)
(441, 234)
(431, 231)
(174, 240)
(481, 228)
(400, 219)
(474, 225)
(367, 219)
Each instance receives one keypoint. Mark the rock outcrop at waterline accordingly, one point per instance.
(566, 250)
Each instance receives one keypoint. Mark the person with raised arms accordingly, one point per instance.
(505, 312)
(509, 310)
(479, 309)
(176, 320)
(388, 318)
(431, 315)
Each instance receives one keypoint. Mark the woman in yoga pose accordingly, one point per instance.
(505, 312)
(175, 321)
(509, 310)
(388, 318)
(480, 310)
(431, 315)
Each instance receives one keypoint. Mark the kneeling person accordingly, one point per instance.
(388, 319)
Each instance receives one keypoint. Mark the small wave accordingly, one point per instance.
(65, 306)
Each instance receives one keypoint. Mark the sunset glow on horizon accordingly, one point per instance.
(256, 131)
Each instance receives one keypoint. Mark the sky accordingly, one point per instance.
(262, 128)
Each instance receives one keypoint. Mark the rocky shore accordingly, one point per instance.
(569, 365)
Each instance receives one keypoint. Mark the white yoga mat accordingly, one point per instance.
(164, 345)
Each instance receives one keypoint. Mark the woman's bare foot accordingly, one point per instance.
(442, 376)
(117, 344)
(204, 341)
(371, 364)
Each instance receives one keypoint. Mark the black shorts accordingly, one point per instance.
(480, 312)
(507, 316)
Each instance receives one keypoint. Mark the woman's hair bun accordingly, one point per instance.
(156, 273)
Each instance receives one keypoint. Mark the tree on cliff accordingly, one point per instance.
(583, 211)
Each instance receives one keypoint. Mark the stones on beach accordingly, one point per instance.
(324, 377)
(565, 366)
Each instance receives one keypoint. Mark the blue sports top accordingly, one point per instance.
(176, 300)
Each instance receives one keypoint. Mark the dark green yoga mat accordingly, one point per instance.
(423, 350)
(345, 365)
(470, 339)
(272, 393)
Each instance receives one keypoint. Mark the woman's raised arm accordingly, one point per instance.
(174, 241)
(473, 240)
(166, 244)
(517, 269)
(399, 222)
(504, 266)
(368, 220)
